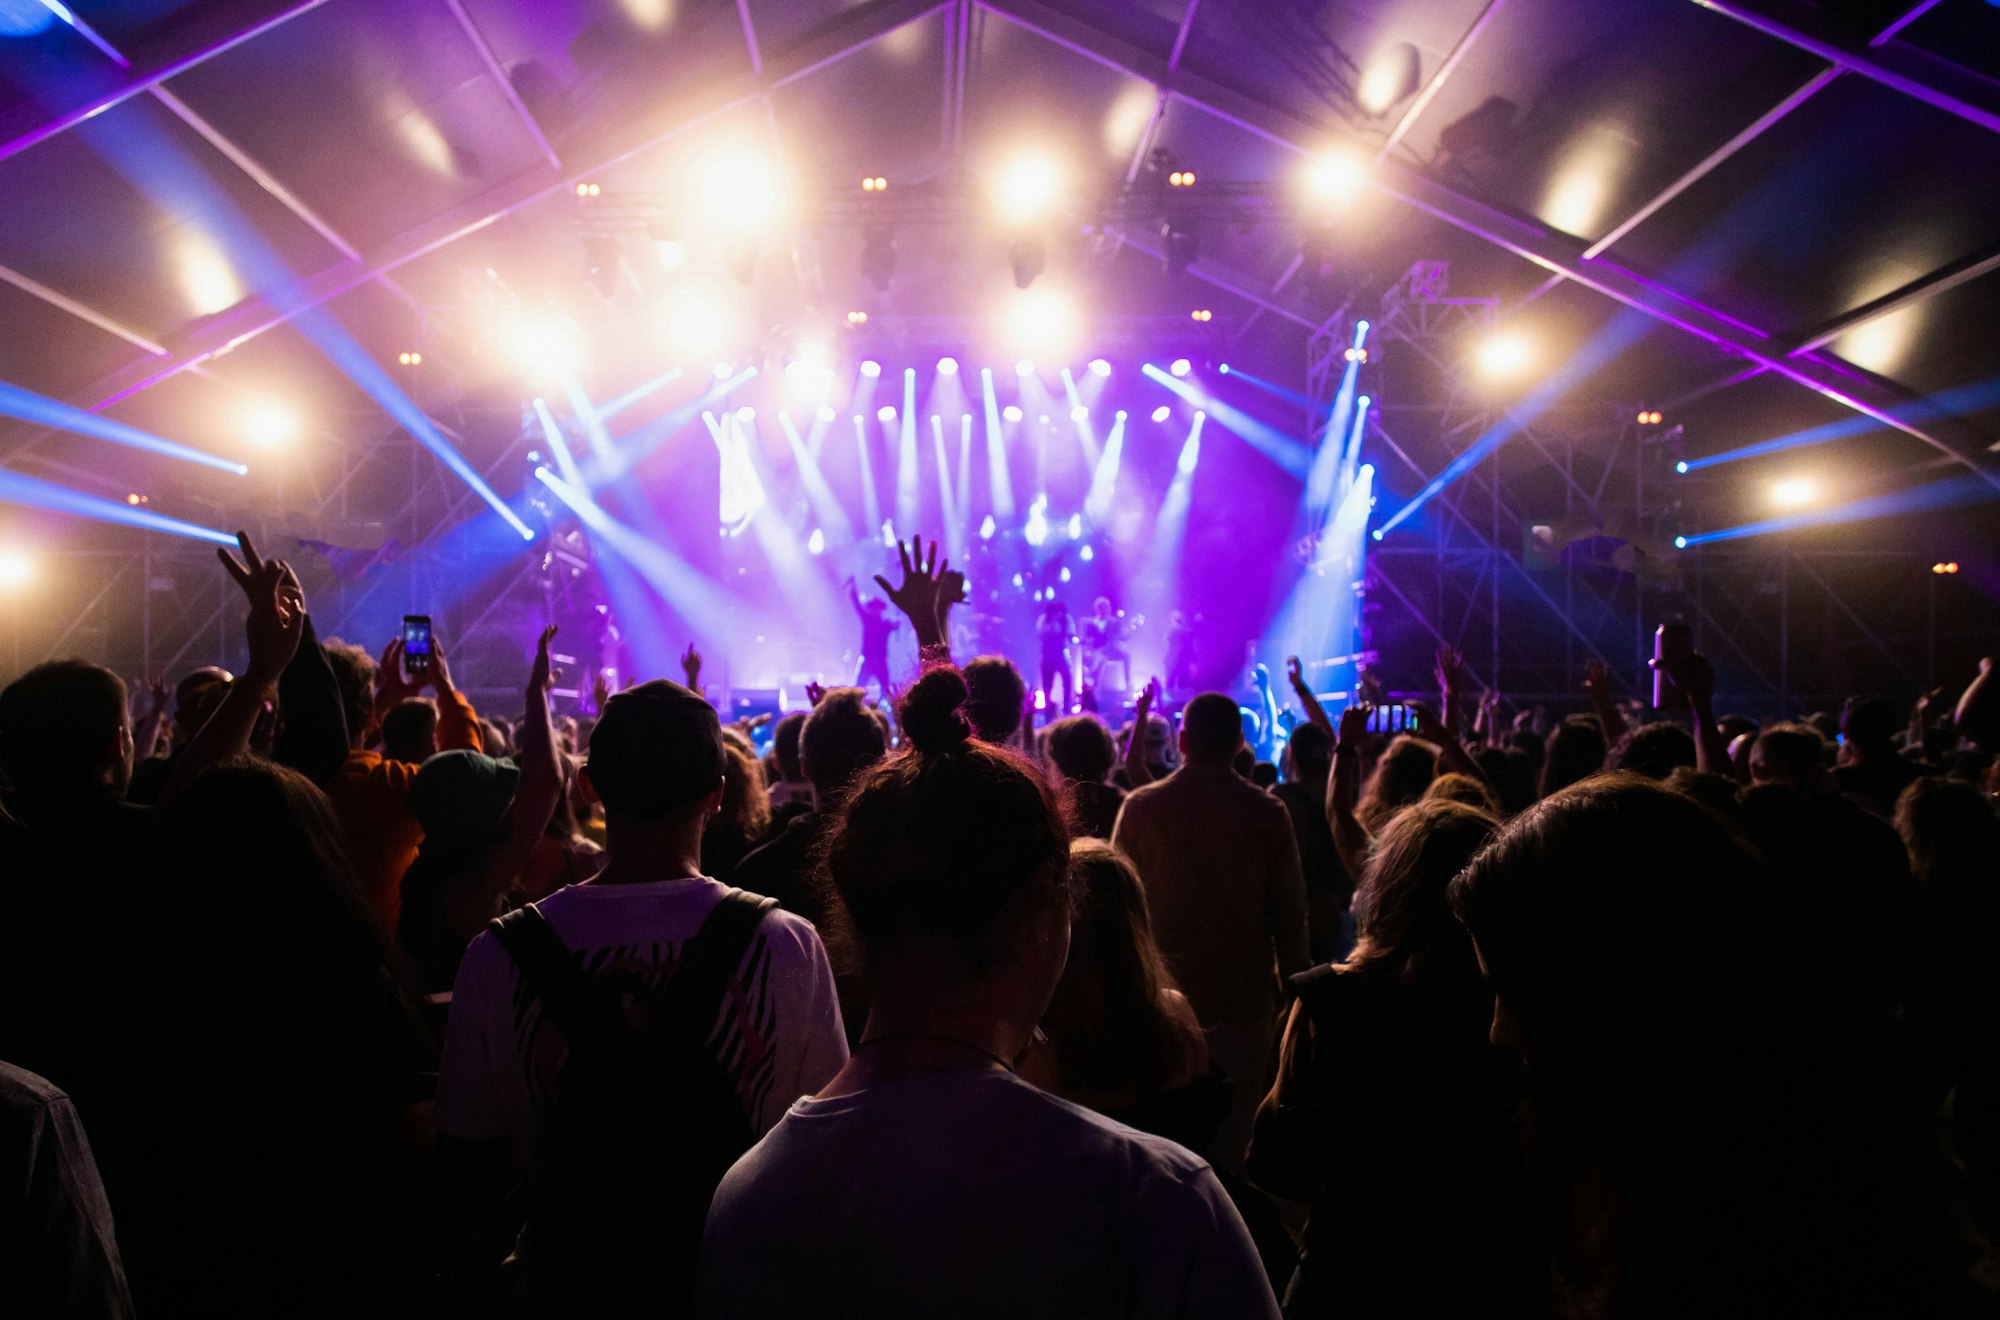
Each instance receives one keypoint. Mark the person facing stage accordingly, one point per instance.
(876, 628)
(1057, 633)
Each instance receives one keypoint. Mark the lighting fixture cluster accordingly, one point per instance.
(1181, 179)
(410, 359)
(1201, 314)
(589, 190)
(1945, 566)
(135, 499)
(1356, 355)
(857, 318)
(875, 183)
(1649, 419)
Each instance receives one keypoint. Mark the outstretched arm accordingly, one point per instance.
(1343, 788)
(1451, 752)
(1138, 770)
(1597, 685)
(1695, 677)
(927, 593)
(146, 729)
(312, 733)
(1315, 713)
(541, 778)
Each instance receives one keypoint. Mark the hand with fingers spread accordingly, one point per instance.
(815, 693)
(1450, 669)
(276, 622)
(927, 592)
(600, 690)
(691, 667)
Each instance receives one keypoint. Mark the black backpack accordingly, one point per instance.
(642, 1124)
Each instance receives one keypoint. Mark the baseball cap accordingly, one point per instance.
(462, 795)
(657, 749)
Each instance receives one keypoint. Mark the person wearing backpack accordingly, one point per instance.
(624, 1040)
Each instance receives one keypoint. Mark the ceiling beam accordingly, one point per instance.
(81, 311)
(1550, 249)
(205, 34)
(1227, 283)
(498, 72)
(1907, 17)
(1443, 75)
(1965, 269)
(694, 106)
(1936, 82)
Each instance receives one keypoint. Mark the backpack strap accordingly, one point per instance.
(553, 974)
(708, 961)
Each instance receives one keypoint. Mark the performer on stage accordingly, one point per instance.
(1057, 631)
(1182, 653)
(876, 627)
(1104, 634)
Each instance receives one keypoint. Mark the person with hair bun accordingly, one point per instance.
(927, 1178)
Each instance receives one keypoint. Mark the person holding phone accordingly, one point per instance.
(371, 790)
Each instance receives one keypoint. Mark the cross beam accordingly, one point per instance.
(1549, 249)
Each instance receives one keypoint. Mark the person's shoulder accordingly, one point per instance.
(1083, 1137)
(783, 930)
(23, 1091)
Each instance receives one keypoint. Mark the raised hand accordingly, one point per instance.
(1260, 674)
(1144, 706)
(247, 571)
(157, 692)
(1450, 669)
(1429, 727)
(542, 676)
(1370, 689)
(1353, 731)
(600, 691)
(815, 693)
(277, 619)
(391, 683)
(927, 591)
(1596, 678)
(1295, 672)
(691, 667)
(752, 723)
(1692, 674)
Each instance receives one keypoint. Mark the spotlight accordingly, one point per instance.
(1649, 419)
(1118, 416)
(16, 569)
(871, 368)
(1011, 412)
(699, 321)
(589, 190)
(1181, 367)
(1792, 493)
(1027, 187)
(538, 344)
(876, 184)
(1064, 575)
(135, 499)
(739, 190)
(1681, 466)
(1223, 369)
(1503, 355)
(878, 256)
(825, 413)
(723, 371)
(1075, 529)
(1086, 554)
(886, 413)
(410, 359)
(1024, 368)
(1680, 543)
(1335, 178)
(1181, 179)
(857, 318)
(1079, 414)
(269, 426)
(816, 543)
(1376, 534)
(1390, 77)
(1947, 566)
(1099, 367)
(1161, 413)
(1027, 255)
(947, 366)
(1201, 314)
(987, 527)
(1356, 355)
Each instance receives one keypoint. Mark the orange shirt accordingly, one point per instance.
(371, 796)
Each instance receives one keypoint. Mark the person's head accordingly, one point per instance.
(65, 733)
(1054, 609)
(1952, 833)
(1405, 770)
(746, 800)
(1211, 730)
(196, 697)
(1575, 753)
(949, 866)
(839, 739)
(1716, 792)
(875, 607)
(1870, 725)
(1653, 750)
(997, 693)
(1101, 607)
(1790, 754)
(1402, 907)
(495, 738)
(656, 758)
(463, 800)
(1081, 748)
(1512, 775)
(1108, 1018)
(1462, 788)
(354, 674)
(409, 730)
(1308, 755)
(785, 746)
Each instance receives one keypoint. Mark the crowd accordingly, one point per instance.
(326, 994)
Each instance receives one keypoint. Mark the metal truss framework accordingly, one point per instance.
(1561, 551)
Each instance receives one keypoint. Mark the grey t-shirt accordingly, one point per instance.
(967, 1195)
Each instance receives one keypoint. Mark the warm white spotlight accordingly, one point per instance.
(947, 366)
(1335, 178)
(538, 344)
(1012, 412)
(269, 425)
(1027, 187)
(1079, 414)
(886, 413)
(746, 414)
(723, 371)
(1181, 367)
(1504, 355)
(16, 570)
(1391, 75)
(698, 322)
(825, 413)
(738, 190)
(1043, 325)
(1100, 367)
(816, 543)
(1161, 413)
(1793, 492)
(871, 368)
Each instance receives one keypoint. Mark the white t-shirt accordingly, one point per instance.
(967, 1195)
(778, 1033)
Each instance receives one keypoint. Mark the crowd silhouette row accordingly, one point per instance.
(323, 993)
